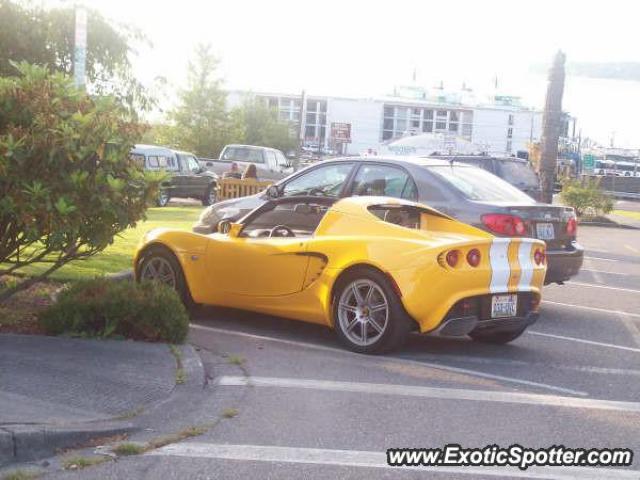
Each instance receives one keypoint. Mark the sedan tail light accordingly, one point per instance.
(504, 224)
(572, 227)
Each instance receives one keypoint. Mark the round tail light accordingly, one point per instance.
(452, 258)
(473, 257)
(539, 256)
(572, 227)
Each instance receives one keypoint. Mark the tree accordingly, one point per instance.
(261, 127)
(67, 184)
(45, 37)
(203, 124)
(551, 125)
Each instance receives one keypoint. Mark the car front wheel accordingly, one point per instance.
(210, 196)
(162, 266)
(367, 313)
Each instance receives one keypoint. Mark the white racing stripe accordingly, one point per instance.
(500, 268)
(526, 266)
(395, 360)
(372, 459)
(432, 392)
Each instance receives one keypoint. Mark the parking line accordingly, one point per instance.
(602, 258)
(588, 342)
(437, 366)
(372, 459)
(607, 287)
(439, 393)
(602, 271)
(629, 247)
(631, 326)
(593, 309)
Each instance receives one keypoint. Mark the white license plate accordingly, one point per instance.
(504, 306)
(545, 231)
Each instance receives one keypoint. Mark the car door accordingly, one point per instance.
(180, 179)
(254, 265)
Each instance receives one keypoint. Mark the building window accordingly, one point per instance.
(311, 118)
(510, 132)
(401, 125)
(387, 134)
(389, 112)
(387, 124)
(310, 131)
(510, 119)
(509, 146)
(428, 114)
(453, 127)
(441, 114)
(415, 123)
(453, 116)
(427, 127)
(441, 125)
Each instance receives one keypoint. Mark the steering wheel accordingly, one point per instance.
(279, 229)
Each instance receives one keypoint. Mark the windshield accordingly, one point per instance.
(242, 154)
(477, 184)
(518, 173)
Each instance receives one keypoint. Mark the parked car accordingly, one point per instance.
(467, 193)
(372, 268)
(517, 171)
(270, 163)
(187, 179)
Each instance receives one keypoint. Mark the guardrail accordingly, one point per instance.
(236, 188)
(622, 187)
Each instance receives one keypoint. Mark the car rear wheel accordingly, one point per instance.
(210, 196)
(367, 313)
(498, 338)
(163, 198)
(161, 266)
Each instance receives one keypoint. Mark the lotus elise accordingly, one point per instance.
(371, 268)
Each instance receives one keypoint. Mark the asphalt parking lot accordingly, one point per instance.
(314, 410)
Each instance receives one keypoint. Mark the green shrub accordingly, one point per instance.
(104, 308)
(586, 197)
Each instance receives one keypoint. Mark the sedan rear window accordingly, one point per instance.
(243, 154)
(518, 173)
(478, 184)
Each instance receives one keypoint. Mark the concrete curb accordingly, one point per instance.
(123, 276)
(609, 225)
(24, 443)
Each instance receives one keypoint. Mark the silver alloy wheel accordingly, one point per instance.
(159, 269)
(212, 196)
(363, 312)
(163, 198)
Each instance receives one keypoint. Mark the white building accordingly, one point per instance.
(500, 125)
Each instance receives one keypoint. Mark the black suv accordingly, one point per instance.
(187, 179)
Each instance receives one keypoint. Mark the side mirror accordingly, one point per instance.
(224, 226)
(273, 191)
(235, 230)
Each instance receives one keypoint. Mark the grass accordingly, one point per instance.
(230, 412)
(181, 375)
(128, 449)
(77, 463)
(118, 256)
(235, 360)
(627, 213)
(21, 475)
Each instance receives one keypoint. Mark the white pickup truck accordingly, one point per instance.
(271, 164)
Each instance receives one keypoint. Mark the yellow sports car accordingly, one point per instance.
(372, 268)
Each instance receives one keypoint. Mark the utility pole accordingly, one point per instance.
(301, 124)
(551, 124)
(80, 47)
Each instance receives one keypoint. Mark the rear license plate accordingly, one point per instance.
(545, 231)
(504, 306)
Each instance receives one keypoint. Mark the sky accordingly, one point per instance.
(365, 48)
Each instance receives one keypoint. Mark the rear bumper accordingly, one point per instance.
(464, 325)
(564, 264)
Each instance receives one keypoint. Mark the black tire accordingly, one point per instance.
(497, 338)
(210, 196)
(163, 198)
(398, 325)
(180, 285)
